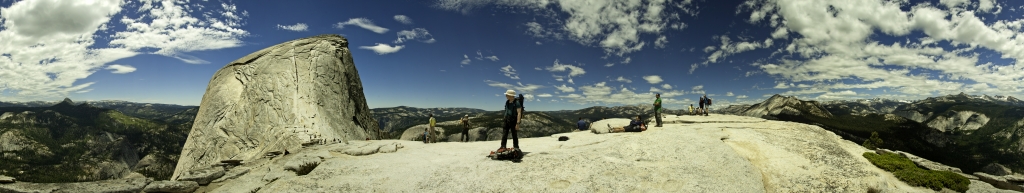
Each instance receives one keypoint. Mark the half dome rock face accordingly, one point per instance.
(276, 99)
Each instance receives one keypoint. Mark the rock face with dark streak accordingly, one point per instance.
(278, 98)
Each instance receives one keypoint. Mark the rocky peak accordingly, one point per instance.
(778, 104)
(68, 101)
(278, 99)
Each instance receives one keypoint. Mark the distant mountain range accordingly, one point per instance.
(965, 131)
(70, 142)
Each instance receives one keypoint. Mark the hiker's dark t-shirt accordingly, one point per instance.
(582, 125)
(511, 112)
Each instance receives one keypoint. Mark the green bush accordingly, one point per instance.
(905, 170)
(874, 142)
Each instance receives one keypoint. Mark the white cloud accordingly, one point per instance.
(698, 87)
(627, 60)
(382, 49)
(842, 40)
(609, 64)
(729, 94)
(403, 19)
(573, 70)
(565, 88)
(538, 43)
(492, 58)
(363, 23)
(296, 27)
(510, 72)
(173, 29)
(519, 88)
(623, 79)
(418, 34)
(466, 61)
(741, 96)
(666, 86)
(545, 95)
(661, 42)
(614, 25)
(120, 69)
(48, 46)
(653, 79)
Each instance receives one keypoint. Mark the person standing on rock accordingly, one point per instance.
(657, 109)
(465, 128)
(691, 110)
(430, 129)
(513, 115)
(700, 110)
(708, 101)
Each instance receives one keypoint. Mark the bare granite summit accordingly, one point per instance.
(717, 153)
(304, 91)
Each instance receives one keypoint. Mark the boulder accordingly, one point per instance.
(6, 179)
(959, 120)
(279, 98)
(202, 176)
(928, 164)
(118, 185)
(982, 187)
(172, 187)
(998, 182)
(996, 169)
(232, 174)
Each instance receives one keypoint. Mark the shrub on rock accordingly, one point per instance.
(874, 142)
(905, 170)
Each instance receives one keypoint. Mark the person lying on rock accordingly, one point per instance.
(635, 125)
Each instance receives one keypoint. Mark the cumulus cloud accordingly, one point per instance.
(363, 23)
(666, 86)
(841, 40)
(609, 64)
(627, 60)
(613, 25)
(120, 69)
(403, 19)
(729, 94)
(418, 34)
(601, 93)
(544, 95)
(296, 27)
(382, 49)
(653, 79)
(480, 56)
(465, 61)
(492, 58)
(519, 87)
(559, 67)
(661, 42)
(47, 46)
(623, 79)
(741, 96)
(510, 72)
(565, 89)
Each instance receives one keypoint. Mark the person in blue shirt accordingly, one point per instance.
(582, 125)
(635, 125)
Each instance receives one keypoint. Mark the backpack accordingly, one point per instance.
(519, 100)
(709, 101)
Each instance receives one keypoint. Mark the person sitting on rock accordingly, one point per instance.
(582, 125)
(635, 125)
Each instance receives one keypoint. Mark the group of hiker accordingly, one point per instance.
(513, 115)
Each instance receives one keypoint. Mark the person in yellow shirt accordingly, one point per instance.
(691, 109)
(430, 130)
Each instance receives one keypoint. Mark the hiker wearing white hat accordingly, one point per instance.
(513, 115)
(465, 128)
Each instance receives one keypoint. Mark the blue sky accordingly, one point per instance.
(563, 54)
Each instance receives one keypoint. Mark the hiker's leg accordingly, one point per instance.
(515, 138)
(618, 129)
(657, 116)
(504, 135)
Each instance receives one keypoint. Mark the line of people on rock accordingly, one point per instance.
(513, 113)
